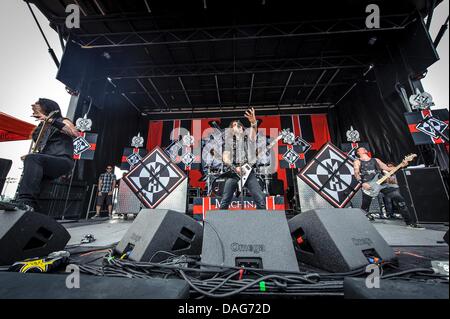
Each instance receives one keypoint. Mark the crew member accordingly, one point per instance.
(106, 186)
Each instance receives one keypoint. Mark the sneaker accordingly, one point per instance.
(370, 217)
(415, 226)
(96, 216)
(25, 205)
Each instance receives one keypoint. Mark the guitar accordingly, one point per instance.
(378, 182)
(247, 168)
(35, 146)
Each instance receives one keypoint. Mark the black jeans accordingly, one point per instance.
(392, 194)
(231, 185)
(38, 166)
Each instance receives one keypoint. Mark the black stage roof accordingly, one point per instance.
(208, 56)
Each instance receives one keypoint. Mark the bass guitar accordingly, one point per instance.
(378, 182)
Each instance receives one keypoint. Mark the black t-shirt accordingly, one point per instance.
(54, 142)
(369, 169)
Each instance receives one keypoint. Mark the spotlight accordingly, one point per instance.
(106, 55)
(372, 40)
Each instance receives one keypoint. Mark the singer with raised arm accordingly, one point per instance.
(51, 152)
(239, 150)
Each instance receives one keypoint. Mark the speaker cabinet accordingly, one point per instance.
(25, 234)
(155, 231)
(53, 197)
(425, 194)
(249, 238)
(337, 240)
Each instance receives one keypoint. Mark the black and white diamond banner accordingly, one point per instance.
(84, 146)
(131, 157)
(432, 127)
(330, 173)
(154, 178)
(293, 156)
(428, 127)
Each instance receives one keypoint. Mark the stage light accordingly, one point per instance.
(372, 40)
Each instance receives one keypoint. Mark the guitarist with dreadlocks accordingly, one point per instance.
(52, 154)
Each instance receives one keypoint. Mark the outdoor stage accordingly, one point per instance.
(171, 76)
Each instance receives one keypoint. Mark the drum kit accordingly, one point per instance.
(215, 177)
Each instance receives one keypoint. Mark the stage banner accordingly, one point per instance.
(131, 157)
(206, 147)
(330, 173)
(154, 178)
(428, 126)
(204, 204)
(84, 146)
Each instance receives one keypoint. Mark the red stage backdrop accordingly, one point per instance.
(312, 128)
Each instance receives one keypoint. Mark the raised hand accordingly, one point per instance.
(250, 115)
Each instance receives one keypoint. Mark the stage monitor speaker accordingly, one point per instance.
(337, 240)
(425, 194)
(249, 238)
(155, 231)
(25, 234)
(53, 286)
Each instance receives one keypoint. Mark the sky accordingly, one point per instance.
(27, 72)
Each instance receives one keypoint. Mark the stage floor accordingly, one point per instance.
(107, 232)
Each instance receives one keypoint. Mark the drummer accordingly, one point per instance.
(212, 162)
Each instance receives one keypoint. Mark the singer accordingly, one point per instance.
(237, 152)
(52, 153)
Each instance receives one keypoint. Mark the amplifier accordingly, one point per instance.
(52, 199)
(425, 193)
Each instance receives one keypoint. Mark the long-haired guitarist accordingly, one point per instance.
(52, 153)
(239, 148)
(366, 169)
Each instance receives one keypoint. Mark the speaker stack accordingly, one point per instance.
(425, 194)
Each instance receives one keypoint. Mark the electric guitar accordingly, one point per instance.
(247, 168)
(379, 181)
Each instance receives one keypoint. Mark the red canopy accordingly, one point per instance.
(13, 129)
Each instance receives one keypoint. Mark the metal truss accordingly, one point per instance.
(238, 67)
(232, 108)
(235, 33)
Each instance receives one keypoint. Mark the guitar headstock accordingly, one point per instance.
(410, 157)
(407, 159)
